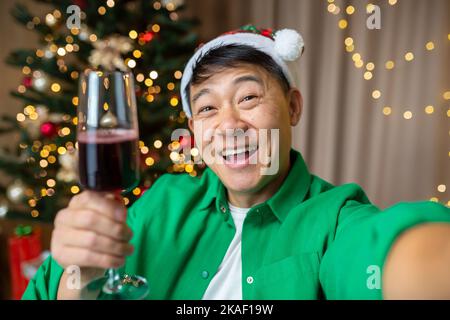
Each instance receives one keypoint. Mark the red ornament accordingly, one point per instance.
(146, 36)
(185, 140)
(81, 3)
(267, 33)
(27, 82)
(49, 129)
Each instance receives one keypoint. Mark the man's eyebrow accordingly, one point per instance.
(247, 78)
(199, 94)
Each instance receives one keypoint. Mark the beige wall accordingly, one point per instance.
(13, 36)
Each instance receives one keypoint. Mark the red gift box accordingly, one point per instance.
(24, 246)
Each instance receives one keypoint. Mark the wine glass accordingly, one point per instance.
(108, 136)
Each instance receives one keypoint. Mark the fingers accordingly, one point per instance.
(104, 203)
(75, 238)
(83, 257)
(91, 220)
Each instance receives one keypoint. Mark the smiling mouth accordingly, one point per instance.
(239, 155)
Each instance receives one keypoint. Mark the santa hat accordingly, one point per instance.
(282, 46)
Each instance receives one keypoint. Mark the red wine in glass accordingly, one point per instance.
(108, 159)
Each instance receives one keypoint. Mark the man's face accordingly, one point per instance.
(244, 99)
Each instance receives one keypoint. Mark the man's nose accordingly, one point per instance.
(230, 120)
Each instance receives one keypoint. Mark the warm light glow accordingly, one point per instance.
(149, 161)
(157, 144)
(446, 95)
(136, 191)
(61, 150)
(20, 117)
(442, 188)
(56, 87)
(65, 131)
(137, 54)
(44, 153)
(156, 28)
(61, 52)
(429, 46)
(409, 56)
(131, 63)
(170, 86)
(194, 152)
(43, 163)
(429, 109)
(390, 65)
(189, 168)
(348, 41)
(75, 101)
(368, 75)
(407, 115)
(387, 111)
(178, 75)
(356, 57)
(370, 66)
(101, 10)
(133, 34)
(153, 75)
(174, 156)
(343, 24)
(140, 77)
(51, 183)
(350, 10)
(74, 189)
(376, 94)
(148, 82)
(174, 102)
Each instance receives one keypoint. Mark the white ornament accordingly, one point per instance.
(107, 53)
(69, 166)
(288, 44)
(40, 81)
(16, 191)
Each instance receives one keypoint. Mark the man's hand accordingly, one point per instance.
(418, 265)
(90, 233)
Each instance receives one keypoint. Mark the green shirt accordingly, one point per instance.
(311, 240)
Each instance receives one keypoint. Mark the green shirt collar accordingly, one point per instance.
(291, 193)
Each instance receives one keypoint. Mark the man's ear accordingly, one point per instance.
(191, 125)
(295, 106)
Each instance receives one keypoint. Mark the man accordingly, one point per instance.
(242, 230)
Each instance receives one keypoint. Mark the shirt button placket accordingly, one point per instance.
(249, 279)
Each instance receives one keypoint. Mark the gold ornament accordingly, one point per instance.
(108, 120)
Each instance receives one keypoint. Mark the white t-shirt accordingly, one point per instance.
(227, 283)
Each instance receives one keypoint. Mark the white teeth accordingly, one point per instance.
(232, 152)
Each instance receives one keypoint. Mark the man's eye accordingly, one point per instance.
(248, 98)
(205, 109)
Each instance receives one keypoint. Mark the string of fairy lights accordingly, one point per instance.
(35, 116)
(369, 68)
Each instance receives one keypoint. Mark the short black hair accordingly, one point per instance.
(231, 56)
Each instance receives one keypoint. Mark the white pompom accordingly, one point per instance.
(288, 44)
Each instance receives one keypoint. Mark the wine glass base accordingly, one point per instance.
(130, 288)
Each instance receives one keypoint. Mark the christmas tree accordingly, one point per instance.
(151, 38)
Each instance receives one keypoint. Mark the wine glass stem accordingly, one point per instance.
(113, 284)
